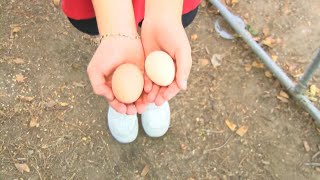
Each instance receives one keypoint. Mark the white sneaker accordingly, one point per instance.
(124, 128)
(156, 119)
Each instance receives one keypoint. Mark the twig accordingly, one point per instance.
(72, 176)
(1, 145)
(37, 172)
(316, 155)
(217, 148)
(244, 158)
(78, 128)
(12, 158)
(312, 164)
(88, 96)
(41, 94)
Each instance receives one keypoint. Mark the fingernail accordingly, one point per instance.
(184, 84)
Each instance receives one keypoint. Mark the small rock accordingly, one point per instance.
(306, 146)
(183, 147)
(216, 60)
(194, 37)
(265, 162)
(268, 74)
(30, 152)
(203, 62)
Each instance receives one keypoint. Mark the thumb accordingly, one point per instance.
(99, 84)
(98, 72)
(183, 62)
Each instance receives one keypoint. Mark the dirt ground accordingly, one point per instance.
(43, 84)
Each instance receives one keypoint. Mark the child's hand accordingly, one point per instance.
(111, 53)
(167, 35)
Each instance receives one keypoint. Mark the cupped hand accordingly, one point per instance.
(112, 52)
(169, 36)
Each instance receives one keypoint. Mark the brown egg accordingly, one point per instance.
(160, 68)
(127, 83)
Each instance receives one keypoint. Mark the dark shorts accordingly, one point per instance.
(89, 26)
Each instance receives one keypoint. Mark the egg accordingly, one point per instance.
(127, 83)
(160, 68)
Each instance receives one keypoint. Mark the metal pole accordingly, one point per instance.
(265, 58)
(303, 83)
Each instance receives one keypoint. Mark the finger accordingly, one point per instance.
(171, 91)
(153, 93)
(99, 85)
(160, 99)
(184, 62)
(147, 83)
(131, 109)
(119, 107)
(142, 103)
(149, 45)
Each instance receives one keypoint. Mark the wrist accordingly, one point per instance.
(163, 11)
(115, 17)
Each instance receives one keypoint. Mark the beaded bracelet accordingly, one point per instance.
(120, 35)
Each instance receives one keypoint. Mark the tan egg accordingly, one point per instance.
(160, 68)
(127, 83)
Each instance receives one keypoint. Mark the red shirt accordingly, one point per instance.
(83, 9)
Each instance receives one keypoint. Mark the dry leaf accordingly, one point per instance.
(230, 2)
(34, 122)
(145, 170)
(203, 3)
(269, 41)
(306, 146)
(282, 99)
(225, 2)
(78, 84)
(246, 15)
(257, 38)
(242, 130)
(50, 104)
(313, 90)
(194, 37)
(284, 94)
(216, 60)
(56, 3)
(203, 62)
(257, 64)
(26, 98)
(234, 1)
(15, 29)
(63, 104)
(20, 78)
(230, 125)
(279, 40)
(285, 8)
(274, 58)
(268, 74)
(266, 31)
(18, 61)
(248, 67)
(312, 99)
(22, 167)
